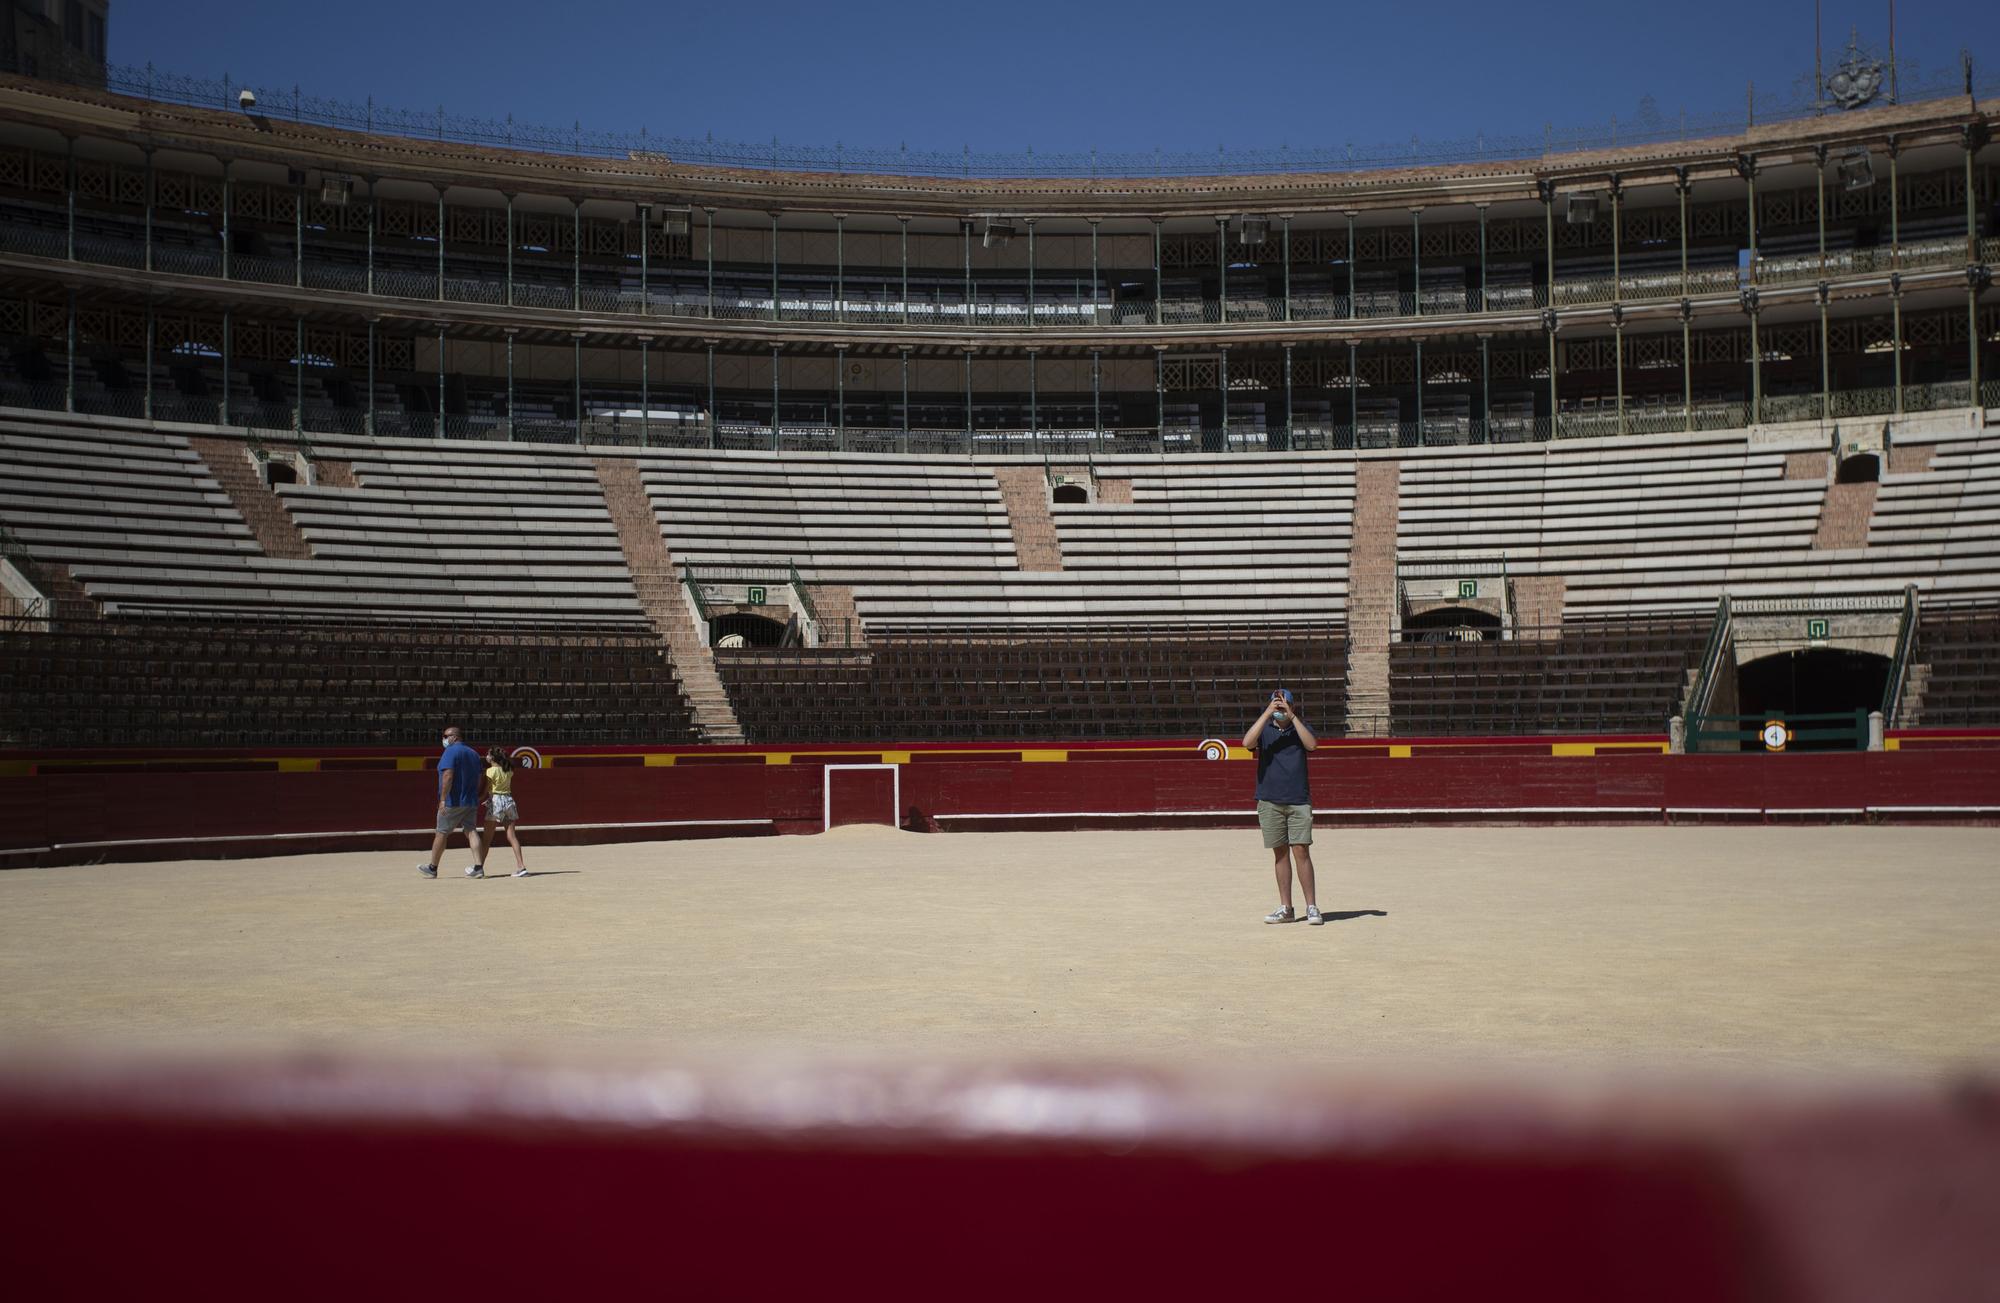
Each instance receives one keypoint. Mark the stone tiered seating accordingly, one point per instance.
(1944, 523)
(212, 682)
(931, 543)
(1077, 682)
(1961, 647)
(1595, 676)
(1670, 523)
(488, 537)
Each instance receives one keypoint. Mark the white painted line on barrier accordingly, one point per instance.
(895, 792)
(1934, 809)
(387, 832)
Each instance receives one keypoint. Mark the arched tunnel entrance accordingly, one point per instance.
(1812, 681)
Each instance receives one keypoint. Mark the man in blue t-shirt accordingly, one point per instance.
(460, 773)
(1284, 800)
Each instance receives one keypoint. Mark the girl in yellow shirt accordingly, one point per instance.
(500, 807)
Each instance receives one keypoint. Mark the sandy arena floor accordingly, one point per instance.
(1744, 951)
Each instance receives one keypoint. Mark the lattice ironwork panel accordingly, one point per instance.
(1400, 368)
(1372, 369)
(1717, 221)
(1793, 341)
(1258, 373)
(93, 181)
(1397, 243)
(49, 173)
(49, 320)
(206, 195)
(128, 186)
(1929, 191)
(93, 325)
(1450, 368)
(353, 352)
(14, 169)
(1646, 351)
(1183, 252)
(1369, 245)
(13, 317)
(398, 353)
(250, 341)
(1927, 329)
(1721, 346)
(1514, 235)
(1189, 375)
(488, 227)
(173, 190)
(128, 329)
(604, 238)
(1586, 354)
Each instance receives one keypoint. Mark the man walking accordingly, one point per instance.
(459, 776)
(1284, 800)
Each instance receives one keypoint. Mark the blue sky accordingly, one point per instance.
(1114, 76)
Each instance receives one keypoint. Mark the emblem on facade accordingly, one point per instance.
(1856, 80)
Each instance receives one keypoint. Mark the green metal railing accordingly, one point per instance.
(1849, 726)
(1899, 667)
(1711, 660)
(798, 584)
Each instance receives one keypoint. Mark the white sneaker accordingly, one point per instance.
(1312, 916)
(521, 872)
(475, 871)
(1282, 914)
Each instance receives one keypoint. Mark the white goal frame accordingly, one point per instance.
(895, 793)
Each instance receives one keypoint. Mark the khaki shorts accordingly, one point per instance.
(1285, 825)
(458, 818)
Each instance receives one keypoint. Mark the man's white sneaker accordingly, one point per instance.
(428, 870)
(521, 872)
(1312, 916)
(1283, 914)
(475, 871)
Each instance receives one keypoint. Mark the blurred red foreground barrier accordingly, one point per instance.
(318, 1178)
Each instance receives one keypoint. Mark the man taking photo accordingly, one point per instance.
(1284, 800)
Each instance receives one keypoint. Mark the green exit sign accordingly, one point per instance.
(1816, 630)
(1468, 589)
(757, 595)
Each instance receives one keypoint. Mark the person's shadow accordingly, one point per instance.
(1342, 915)
(546, 873)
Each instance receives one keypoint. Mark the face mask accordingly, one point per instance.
(445, 743)
(1279, 718)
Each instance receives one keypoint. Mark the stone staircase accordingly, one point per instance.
(1025, 491)
(1371, 596)
(236, 470)
(1844, 515)
(663, 599)
(1910, 710)
(839, 623)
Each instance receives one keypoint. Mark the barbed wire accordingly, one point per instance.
(1802, 99)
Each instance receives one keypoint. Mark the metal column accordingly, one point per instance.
(968, 391)
(840, 396)
(510, 376)
(903, 231)
(510, 250)
(1420, 392)
(1484, 304)
(440, 412)
(776, 312)
(69, 358)
(1096, 384)
(645, 392)
(966, 228)
(1160, 395)
(1756, 360)
(369, 420)
(1895, 210)
(1896, 328)
(147, 262)
(1093, 273)
(777, 422)
(711, 270)
(1353, 389)
(299, 236)
(1222, 269)
(1973, 136)
(1687, 367)
(1825, 361)
(1551, 324)
(148, 400)
(1618, 359)
(440, 271)
(1290, 441)
(1031, 283)
(1747, 165)
(1681, 187)
(714, 413)
(225, 219)
(645, 257)
(906, 397)
(1353, 308)
(576, 382)
(840, 266)
(227, 331)
(1159, 286)
(1417, 263)
(1224, 369)
(1285, 234)
(1485, 383)
(298, 375)
(374, 215)
(1548, 189)
(576, 255)
(69, 238)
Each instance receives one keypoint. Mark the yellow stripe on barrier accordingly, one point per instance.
(297, 765)
(1044, 756)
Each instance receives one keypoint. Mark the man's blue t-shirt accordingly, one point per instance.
(1281, 767)
(466, 773)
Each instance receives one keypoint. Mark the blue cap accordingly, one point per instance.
(1286, 693)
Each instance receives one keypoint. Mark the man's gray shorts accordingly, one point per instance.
(458, 818)
(1285, 825)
